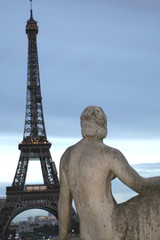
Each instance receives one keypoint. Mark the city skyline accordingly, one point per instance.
(102, 53)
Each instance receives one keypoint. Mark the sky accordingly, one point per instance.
(99, 52)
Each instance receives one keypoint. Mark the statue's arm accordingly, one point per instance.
(131, 178)
(65, 202)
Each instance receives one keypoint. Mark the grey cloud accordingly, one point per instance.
(91, 52)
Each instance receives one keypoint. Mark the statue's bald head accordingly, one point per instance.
(94, 123)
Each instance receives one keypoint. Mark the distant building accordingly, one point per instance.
(33, 226)
(30, 219)
(13, 226)
(23, 226)
(40, 219)
(52, 220)
(32, 223)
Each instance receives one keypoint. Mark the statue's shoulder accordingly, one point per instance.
(110, 149)
(72, 148)
(113, 152)
(67, 154)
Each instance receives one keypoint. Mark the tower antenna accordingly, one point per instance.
(31, 8)
(31, 4)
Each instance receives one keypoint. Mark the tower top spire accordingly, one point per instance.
(31, 4)
(31, 14)
(31, 26)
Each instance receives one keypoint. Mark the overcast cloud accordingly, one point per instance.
(96, 52)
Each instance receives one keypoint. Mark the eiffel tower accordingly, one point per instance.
(35, 146)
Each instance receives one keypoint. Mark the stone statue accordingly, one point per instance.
(86, 171)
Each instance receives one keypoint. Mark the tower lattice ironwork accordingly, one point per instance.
(21, 197)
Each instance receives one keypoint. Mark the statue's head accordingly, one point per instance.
(94, 123)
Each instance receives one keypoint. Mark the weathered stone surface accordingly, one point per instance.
(138, 218)
(86, 171)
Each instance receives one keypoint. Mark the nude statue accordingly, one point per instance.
(86, 171)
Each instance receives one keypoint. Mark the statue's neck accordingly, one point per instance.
(88, 139)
